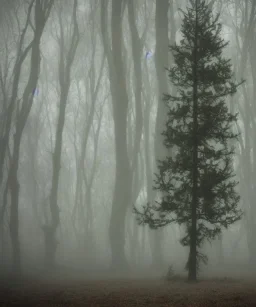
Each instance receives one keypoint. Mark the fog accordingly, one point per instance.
(81, 117)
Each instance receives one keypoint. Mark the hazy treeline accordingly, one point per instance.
(81, 116)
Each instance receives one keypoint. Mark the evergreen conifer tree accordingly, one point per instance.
(197, 181)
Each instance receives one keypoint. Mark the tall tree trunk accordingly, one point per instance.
(14, 212)
(85, 176)
(65, 65)
(10, 108)
(192, 261)
(41, 16)
(247, 112)
(161, 61)
(137, 84)
(89, 180)
(136, 54)
(252, 58)
(123, 177)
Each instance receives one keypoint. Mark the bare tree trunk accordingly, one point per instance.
(136, 53)
(247, 112)
(161, 61)
(10, 108)
(88, 181)
(41, 16)
(252, 58)
(14, 214)
(86, 174)
(123, 176)
(65, 65)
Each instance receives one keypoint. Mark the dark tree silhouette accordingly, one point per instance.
(197, 178)
(41, 14)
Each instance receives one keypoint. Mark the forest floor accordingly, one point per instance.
(127, 292)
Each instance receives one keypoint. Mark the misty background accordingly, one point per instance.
(81, 116)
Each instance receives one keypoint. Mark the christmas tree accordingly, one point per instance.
(196, 180)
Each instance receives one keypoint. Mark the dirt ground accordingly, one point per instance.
(128, 292)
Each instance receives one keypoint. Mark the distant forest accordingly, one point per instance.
(88, 91)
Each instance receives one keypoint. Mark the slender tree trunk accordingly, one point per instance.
(247, 112)
(137, 84)
(252, 57)
(50, 230)
(136, 53)
(21, 56)
(192, 262)
(161, 61)
(41, 16)
(14, 213)
(64, 79)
